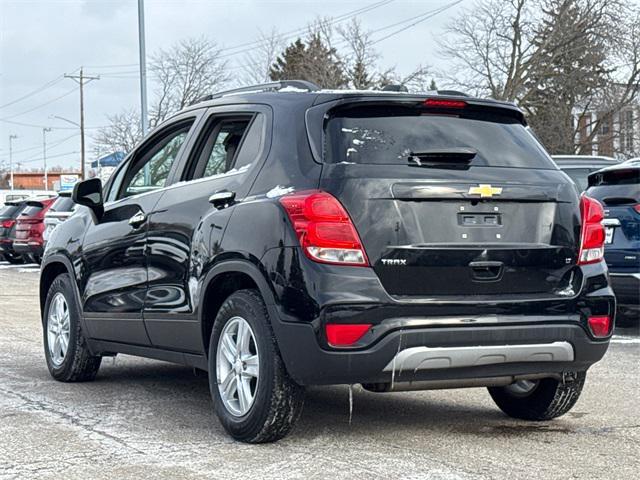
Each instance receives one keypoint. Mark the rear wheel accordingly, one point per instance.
(254, 397)
(13, 258)
(65, 347)
(542, 399)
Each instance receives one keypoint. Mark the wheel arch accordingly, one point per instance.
(223, 280)
(55, 266)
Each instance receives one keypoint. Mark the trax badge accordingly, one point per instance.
(485, 191)
(394, 261)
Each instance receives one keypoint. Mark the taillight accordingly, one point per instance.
(600, 326)
(8, 223)
(345, 335)
(592, 234)
(637, 207)
(324, 228)
(442, 103)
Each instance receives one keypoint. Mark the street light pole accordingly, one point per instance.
(44, 156)
(11, 138)
(143, 70)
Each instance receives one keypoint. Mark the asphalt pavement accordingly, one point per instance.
(149, 419)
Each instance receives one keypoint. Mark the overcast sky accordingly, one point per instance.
(42, 40)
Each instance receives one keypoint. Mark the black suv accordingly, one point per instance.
(282, 236)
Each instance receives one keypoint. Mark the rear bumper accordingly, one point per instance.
(442, 354)
(6, 245)
(32, 248)
(310, 296)
(627, 289)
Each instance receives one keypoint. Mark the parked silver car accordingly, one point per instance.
(61, 209)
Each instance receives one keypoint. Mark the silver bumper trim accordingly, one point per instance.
(426, 358)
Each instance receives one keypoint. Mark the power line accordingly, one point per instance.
(49, 147)
(36, 91)
(33, 125)
(75, 152)
(297, 32)
(423, 17)
(41, 105)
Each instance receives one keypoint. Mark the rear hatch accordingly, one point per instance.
(8, 215)
(618, 189)
(30, 223)
(453, 199)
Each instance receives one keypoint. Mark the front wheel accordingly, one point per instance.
(65, 347)
(254, 397)
(542, 399)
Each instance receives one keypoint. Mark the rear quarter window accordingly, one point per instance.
(372, 135)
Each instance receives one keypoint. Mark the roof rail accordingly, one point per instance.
(264, 87)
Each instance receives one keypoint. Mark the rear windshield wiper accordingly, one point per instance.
(457, 156)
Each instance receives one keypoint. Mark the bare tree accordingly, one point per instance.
(121, 135)
(550, 56)
(258, 62)
(185, 72)
(360, 57)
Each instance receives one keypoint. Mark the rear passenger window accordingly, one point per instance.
(228, 145)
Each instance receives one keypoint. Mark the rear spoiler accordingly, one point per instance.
(610, 173)
(34, 203)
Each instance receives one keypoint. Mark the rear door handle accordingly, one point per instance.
(138, 219)
(222, 199)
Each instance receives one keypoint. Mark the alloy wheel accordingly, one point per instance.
(58, 329)
(237, 366)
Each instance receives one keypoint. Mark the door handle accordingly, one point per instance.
(138, 219)
(222, 199)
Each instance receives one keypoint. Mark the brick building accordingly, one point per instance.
(618, 136)
(33, 180)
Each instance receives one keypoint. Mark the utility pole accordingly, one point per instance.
(81, 79)
(143, 70)
(44, 156)
(11, 138)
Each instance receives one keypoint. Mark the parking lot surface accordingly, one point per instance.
(149, 419)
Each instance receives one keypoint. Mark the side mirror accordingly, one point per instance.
(89, 194)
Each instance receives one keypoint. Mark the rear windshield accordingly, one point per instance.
(389, 136)
(9, 211)
(627, 176)
(30, 211)
(62, 204)
(579, 176)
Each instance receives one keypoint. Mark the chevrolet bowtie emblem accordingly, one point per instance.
(485, 191)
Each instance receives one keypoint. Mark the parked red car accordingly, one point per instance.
(27, 240)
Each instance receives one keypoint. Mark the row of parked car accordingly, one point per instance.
(26, 224)
(616, 185)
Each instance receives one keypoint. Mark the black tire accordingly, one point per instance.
(78, 365)
(278, 399)
(549, 399)
(13, 258)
